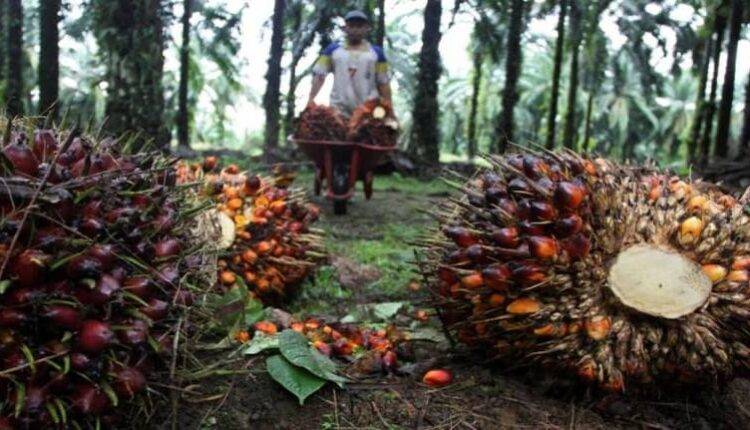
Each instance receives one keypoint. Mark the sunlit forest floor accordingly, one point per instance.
(370, 263)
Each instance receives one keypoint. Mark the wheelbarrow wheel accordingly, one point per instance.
(339, 207)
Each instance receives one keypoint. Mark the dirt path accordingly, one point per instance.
(370, 255)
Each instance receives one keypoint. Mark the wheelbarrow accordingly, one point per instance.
(340, 164)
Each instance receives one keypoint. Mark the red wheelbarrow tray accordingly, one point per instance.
(364, 158)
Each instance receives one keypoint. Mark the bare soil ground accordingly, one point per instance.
(374, 238)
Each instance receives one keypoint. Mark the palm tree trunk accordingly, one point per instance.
(512, 72)
(49, 57)
(551, 117)
(587, 126)
(271, 99)
(3, 38)
(705, 144)
(14, 49)
(727, 90)
(425, 131)
(183, 117)
(745, 136)
(290, 101)
(476, 82)
(380, 35)
(700, 103)
(575, 43)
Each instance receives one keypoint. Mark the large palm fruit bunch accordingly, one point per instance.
(267, 240)
(97, 267)
(373, 123)
(619, 274)
(319, 122)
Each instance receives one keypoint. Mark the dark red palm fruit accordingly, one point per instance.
(24, 295)
(534, 167)
(22, 158)
(524, 209)
(577, 246)
(129, 382)
(506, 237)
(343, 347)
(92, 209)
(476, 253)
(531, 228)
(461, 236)
(80, 361)
(106, 287)
(95, 336)
(77, 150)
(516, 160)
(183, 297)
(12, 318)
(163, 222)
(83, 266)
(29, 267)
(141, 201)
(543, 247)
(133, 333)
(120, 215)
(210, 162)
(89, 399)
(527, 273)
(546, 184)
(119, 273)
(447, 275)
(520, 187)
(64, 316)
(50, 236)
(54, 173)
(156, 309)
(568, 226)
(166, 248)
(491, 179)
(569, 195)
(542, 211)
(508, 207)
(497, 277)
(139, 285)
(495, 193)
(92, 227)
(168, 274)
(105, 253)
(45, 145)
(390, 361)
(15, 358)
(252, 184)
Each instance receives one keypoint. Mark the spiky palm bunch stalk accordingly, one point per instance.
(97, 269)
(619, 274)
(266, 240)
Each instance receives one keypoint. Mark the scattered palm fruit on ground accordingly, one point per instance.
(318, 122)
(373, 123)
(97, 268)
(266, 236)
(437, 378)
(622, 275)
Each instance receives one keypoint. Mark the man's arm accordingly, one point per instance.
(317, 84)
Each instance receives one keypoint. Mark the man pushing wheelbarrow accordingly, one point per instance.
(347, 140)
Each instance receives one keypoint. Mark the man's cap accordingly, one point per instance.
(356, 15)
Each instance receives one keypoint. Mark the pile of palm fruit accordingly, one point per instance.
(97, 267)
(266, 237)
(621, 275)
(371, 123)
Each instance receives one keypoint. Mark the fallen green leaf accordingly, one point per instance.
(294, 379)
(295, 348)
(260, 343)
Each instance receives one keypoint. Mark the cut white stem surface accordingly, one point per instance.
(658, 282)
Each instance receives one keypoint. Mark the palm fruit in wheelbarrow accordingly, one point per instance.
(266, 239)
(96, 270)
(318, 122)
(621, 275)
(373, 123)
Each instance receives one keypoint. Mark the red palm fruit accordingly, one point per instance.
(141, 201)
(183, 297)
(210, 162)
(495, 193)
(476, 253)
(390, 361)
(139, 285)
(506, 237)
(129, 382)
(266, 327)
(12, 318)
(507, 207)
(472, 281)
(89, 399)
(163, 222)
(437, 378)
(120, 215)
(569, 195)
(103, 291)
(323, 347)
(156, 309)
(741, 263)
(166, 248)
(520, 187)
(83, 266)
(524, 209)
(168, 274)
(29, 266)
(569, 225)
(447, 275)
(542, 211)
(577, 246)
(49, 237)
(542, 247)
(105, 253)
(64, 316)
(528, 273)
(497, 277)
(92, 209)
(461, 236)
(343, 347)
(534, 167)
(95, 336)
(22, 296)
(523, 305)
(92, 227)
(22, 158)
(45, 145)
(532, 228)
(134, 333)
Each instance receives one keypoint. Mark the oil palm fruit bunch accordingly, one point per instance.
(621, 275)
(266, 236)
(95, 271)
(319, 122)
(373, 123)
